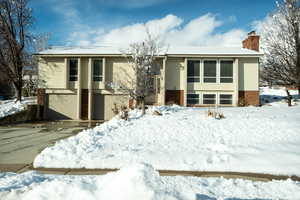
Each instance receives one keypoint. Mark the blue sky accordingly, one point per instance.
(183, 22)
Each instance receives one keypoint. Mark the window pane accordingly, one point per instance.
(210, 80)
(192, 99)
(73, 69)
(98, 70)
(193, 68)
(210, 68)
(225, 101)
(193, 80)
(226, 68)
(226, 80)
(225, 96)
(209, 99)
(192, 95)
(209, 96)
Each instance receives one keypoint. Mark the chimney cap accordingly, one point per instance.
(252, 33)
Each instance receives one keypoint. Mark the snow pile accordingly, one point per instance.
(10, 107)
(249, 139)
(139, 182)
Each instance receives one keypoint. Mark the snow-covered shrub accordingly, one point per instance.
(124, 112)
(215, 114)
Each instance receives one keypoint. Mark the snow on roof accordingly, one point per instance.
(171, 50)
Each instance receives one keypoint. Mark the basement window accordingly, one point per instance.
(193, 71)
(226, 99)
(210, 71)
(73, 72)
(209, 98)
(226, 71)
(97, 70)
(192, 99)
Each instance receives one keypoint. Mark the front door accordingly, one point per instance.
(84, 104)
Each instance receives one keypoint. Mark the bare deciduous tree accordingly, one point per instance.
(141, 57)
(281, 45)
(15, 22)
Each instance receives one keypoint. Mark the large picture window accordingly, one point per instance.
(97, 70)
(73, 72)
(226, 99)
(210, 71)
(209, 98)
(193, 71)
(226, 71)
(192, 99)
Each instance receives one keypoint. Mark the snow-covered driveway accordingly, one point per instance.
(250, 139)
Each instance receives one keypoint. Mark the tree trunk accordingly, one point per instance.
(289, 97)
(18, 88)
(299, 92)
(143, 106)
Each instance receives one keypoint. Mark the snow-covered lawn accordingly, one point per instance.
(140, 182)
(250, 139)
(10, 107)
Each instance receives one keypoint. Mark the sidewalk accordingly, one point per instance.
(20, 168)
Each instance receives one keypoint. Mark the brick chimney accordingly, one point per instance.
(252, 41)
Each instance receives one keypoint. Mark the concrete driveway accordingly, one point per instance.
(19, 144)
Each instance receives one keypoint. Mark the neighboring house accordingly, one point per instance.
(78, 80)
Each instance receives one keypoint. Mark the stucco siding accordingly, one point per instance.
(109, 101)
(119, 71)
(84, 73)
(53, 72)
(248, 74)
(175, 74)
(61, 106)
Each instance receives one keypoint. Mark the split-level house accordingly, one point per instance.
(77, 81)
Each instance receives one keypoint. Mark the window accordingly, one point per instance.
(192, 99)
(209, 98)
(193, 71)
(73, 72)
(226, 71)
(210, 71)
(98, 70)
(226, 99)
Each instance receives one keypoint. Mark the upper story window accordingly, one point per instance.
(73, 72)
(97, 70)
(210, 71)
(193, 71)
(226, 71)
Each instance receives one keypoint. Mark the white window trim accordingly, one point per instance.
(199, 97)
(219, 77)
(225, 93)
(217, 71)
(200, 74)
(216, 98)
(68, 66)
(100, 76)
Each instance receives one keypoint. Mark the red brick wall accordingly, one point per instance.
(175, 96)
(250, 97)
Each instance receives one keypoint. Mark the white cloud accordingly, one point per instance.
(171, 29)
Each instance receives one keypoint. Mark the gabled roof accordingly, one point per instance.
(171, 50)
